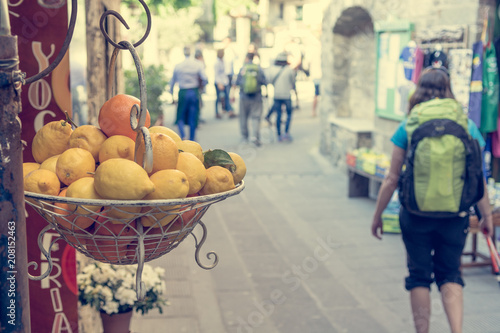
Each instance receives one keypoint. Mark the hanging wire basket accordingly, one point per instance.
(125, 232)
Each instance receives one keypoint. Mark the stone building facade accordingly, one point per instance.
(348, 86)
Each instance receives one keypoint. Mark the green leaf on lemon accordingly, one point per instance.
(218, 157)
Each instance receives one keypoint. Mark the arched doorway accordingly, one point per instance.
(354, 64)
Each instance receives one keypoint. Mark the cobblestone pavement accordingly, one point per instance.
(296, 254)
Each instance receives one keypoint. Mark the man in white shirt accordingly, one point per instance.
(190, 76)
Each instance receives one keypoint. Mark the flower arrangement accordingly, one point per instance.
(111, 288)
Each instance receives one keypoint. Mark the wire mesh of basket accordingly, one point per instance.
(115, 231)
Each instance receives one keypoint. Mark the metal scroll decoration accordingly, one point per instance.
(123, 231)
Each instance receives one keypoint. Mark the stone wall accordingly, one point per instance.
(349, 59)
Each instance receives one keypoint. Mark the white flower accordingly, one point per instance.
(110, 307)
(88, 269)
(88, 290)
(112, 288)
(126, 296)
(107, 293)
(99, 277)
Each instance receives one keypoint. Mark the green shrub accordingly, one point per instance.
(156, 83)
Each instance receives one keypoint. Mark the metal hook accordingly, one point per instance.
(141, 253)
(198, 248)
(120, 18)
(45, 253)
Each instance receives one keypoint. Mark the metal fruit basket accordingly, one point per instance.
(125, 232)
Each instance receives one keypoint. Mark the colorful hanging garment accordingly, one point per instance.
(489, 103)
(419, 64)
(476, 85)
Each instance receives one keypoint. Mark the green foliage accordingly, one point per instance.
(222, 7)
(156, 5)
(156, 83)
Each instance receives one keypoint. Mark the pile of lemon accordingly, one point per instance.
(91, 162)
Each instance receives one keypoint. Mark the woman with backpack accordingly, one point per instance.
(434, 236)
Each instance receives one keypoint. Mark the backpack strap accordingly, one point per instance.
(438, 127)
(277, 75)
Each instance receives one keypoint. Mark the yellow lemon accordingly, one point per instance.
(194, 170)
(219, 179)
(165, 130)
(241, 168)
(73, 164)
(42, 181)
(117, 146)
(169, 184)
(50, 163)
(30, 166)
(192, 147)
(122, 179)
(165, 152)
(88, 137)
(83, 188)
(52, 139)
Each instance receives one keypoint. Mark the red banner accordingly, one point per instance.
(41, 28)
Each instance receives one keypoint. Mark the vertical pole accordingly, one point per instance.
(14, 292)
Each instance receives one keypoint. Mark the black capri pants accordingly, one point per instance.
(434, 248)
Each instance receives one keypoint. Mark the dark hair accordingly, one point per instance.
(250, 56)
(433, 83)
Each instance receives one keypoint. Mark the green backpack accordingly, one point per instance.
(250, 82)
(443, 175)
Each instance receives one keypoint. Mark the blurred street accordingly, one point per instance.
(296, 254)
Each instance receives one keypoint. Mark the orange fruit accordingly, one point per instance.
(165, 152)
(114, 116)
(117, 146)
(88, 137)
(114, 247)
(52, 139)
(73, 164)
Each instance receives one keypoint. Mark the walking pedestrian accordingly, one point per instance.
(250, 80)
(313, 60)
(434, 244)
(222, 86)
(189, 75)
(282, 77)
(198, 55)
